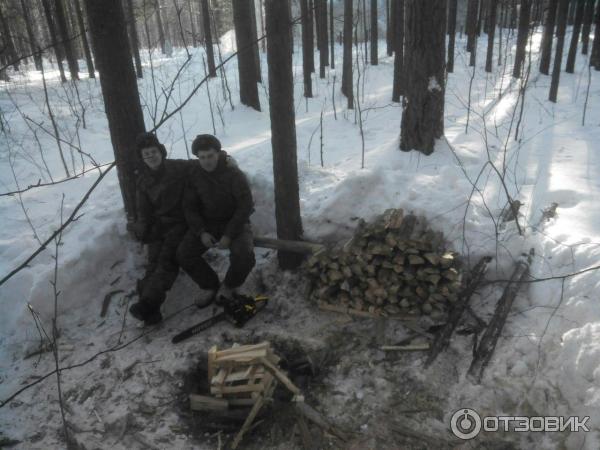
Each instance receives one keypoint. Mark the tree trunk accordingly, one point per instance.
(67, 39)
(347, 83)
(84, 40)
(8, 43)
(570, 68)
(255, 40)
(311, 34)
(588, 17)
(54, 38)
(399, 71)
(452, 8)
(546, 46)
(242, 16)
(389, 32)
(595, 56)
(365, 31)
(283, 128)
(332, 35)
(374, 34)
(423, 110)
(305, 49)
(522, 36)
(561, 26)
(208, 44)
(33, 42)
(135, 44)
(493, 8)
(192, 24)
(471, 23)
(571, 17)
(324, 50)
(119, 90)
(159, 26)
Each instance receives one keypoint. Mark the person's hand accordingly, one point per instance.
(224, 243)
(208, 240)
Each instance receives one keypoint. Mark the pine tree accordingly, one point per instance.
(133, 37)
(54, 38)
(283, 128)
(452, 9)
(595, 56)
(522, 35)
(324, 47)
(119, 90)
(399, 36)
(588, 17)
(159, 25)
(306, 54)
(33, 41)
(67, 40)
(374, 33)
(570, 68)
(84, 40)
(208, 44)
(491, 30)
(423, 110)
(547, 37)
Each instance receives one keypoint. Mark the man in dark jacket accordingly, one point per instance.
(217, 205)
(160, 223)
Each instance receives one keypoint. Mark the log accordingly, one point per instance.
(302, 247)
(204, 403)
(488, 342)
(405, 348)
(443, 338)
(282, 377)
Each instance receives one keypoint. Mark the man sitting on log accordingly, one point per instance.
(160, 224)
(217, 205)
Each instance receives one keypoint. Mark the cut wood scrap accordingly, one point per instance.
(288, 246)
(251, 416)
(282, 377)
(106, 302)
(243, 357)
(205, 403)
(464, 297)
(488, 342)
(405, 348)
(222, 389)
(211, 362)
(250, 372)
(318, 419)
(235, 350)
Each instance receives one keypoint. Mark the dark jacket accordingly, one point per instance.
(158, 198)
(218, 202)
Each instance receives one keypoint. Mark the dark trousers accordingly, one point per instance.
(162, 268)
(241, 259)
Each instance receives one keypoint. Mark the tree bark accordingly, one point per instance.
(471, 23)
(246, 58)
(67, 39)
(493, 8)
(53, 37)
(347, 83)
(588, 17)
(572, 7)
(283, 129)
(547, 37)
(561, 26)
(192, 24)
(570, 68)
(522, 36)
(8, 42)
(311, 33)
(452, 8)
(399, 71)
(305, 49)
(374, 34)
(119, 90)
(135, 44)
(208, 43)
(33, 42)
(389, 32)
(423, 110)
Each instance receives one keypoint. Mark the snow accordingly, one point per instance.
(547, 361)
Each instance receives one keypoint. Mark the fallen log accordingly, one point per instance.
(303, 247)
(443, 337)
(488, 342)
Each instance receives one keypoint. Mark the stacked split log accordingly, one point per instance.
(395, 265)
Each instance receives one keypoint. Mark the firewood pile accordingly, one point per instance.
(394, 266)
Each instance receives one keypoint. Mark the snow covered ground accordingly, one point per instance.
(546, 363)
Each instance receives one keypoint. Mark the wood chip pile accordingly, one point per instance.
(395, 265)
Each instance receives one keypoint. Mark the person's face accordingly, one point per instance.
(208, 159)
(152, 157)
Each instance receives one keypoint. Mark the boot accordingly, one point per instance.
(142, 311)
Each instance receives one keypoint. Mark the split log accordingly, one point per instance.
(488, 342)
(443, 338)
(204, 403)
(405, 348)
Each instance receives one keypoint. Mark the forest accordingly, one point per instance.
(299, 224)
